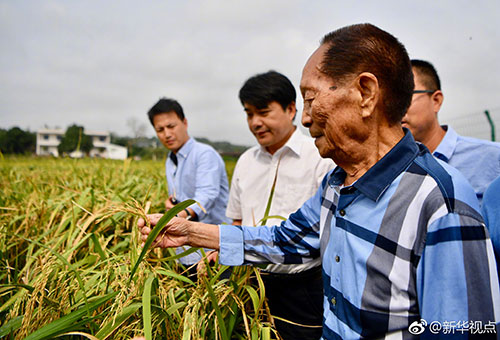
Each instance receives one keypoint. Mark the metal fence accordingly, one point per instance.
(476, 124)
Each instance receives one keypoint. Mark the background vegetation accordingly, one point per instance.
(68, 246)
(20, 142)
(75, 139)
(17, 141)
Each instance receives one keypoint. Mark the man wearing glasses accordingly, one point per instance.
(399, 234)
(478, 160)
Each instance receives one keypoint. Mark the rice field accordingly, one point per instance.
(71, 264)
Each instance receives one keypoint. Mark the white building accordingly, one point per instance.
(47, 141)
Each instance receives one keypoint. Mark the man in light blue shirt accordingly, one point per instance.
(404, 249)
(491, 214)
(194, 170)
(478, 160)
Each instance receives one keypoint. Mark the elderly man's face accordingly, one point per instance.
(330, 110)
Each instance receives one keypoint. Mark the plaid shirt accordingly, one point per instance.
(405, 242)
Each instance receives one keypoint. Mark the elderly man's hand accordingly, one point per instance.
(175, 233)
(170, 203)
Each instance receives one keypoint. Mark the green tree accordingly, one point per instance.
(75, 139)
(17, 141)
(118, 140)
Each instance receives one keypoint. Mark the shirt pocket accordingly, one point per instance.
(297, 194)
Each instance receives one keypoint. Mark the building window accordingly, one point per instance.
(46, 137)
(59, 138)
(102, 138)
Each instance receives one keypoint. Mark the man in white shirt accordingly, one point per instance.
(289, 159)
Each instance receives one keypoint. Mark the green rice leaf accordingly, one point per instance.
(4, 287)
(176, 276)
(262, 288)
(107, 329)
(265, 333)
(97, 246)
(65, 323)
(12, 325)
(177, 256)
(216, 307)
(264, 220)
(175, 307)
(64, 261)
(186, 334)
(253, 296)
(146, 307)
(271, 194)
(157, 229)
(12, 286)
(89, 336)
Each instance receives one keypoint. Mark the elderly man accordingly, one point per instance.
(400, 237)
(478, 160)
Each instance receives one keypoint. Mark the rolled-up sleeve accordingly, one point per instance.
(231, 252)
(296, 240)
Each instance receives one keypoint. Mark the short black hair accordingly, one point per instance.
(264, 88)
(428, 74)
(355, 49)
(165, 105)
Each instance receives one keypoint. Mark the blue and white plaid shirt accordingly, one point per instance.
(404, 243)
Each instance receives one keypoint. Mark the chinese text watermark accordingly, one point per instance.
(452, 327)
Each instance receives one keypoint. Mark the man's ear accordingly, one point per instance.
(437, 100)
(185, 122)
(291, 110)
(369, 93)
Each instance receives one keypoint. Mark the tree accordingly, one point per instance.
(138, 129)
(75, 139)
(17, 141)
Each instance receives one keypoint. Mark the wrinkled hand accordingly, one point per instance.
(174, 234)
(169, 204)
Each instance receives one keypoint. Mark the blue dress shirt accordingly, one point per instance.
(200, 174)
(491, 214)
(478, 160)
(405, 242)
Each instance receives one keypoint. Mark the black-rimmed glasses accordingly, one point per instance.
(423, 91)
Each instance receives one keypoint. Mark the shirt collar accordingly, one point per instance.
(446, 148)
(294, 143)
(185, 149)
(380, 176)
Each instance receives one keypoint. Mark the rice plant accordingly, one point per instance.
(71, 264)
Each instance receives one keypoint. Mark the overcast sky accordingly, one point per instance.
(102, 63)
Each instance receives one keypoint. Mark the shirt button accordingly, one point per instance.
(337, 258)
(334, 302)
(342, 212)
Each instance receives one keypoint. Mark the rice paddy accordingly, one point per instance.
(71, 264)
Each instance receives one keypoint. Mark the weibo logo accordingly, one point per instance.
(417, 327)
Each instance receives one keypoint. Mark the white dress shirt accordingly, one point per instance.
(300, 172)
